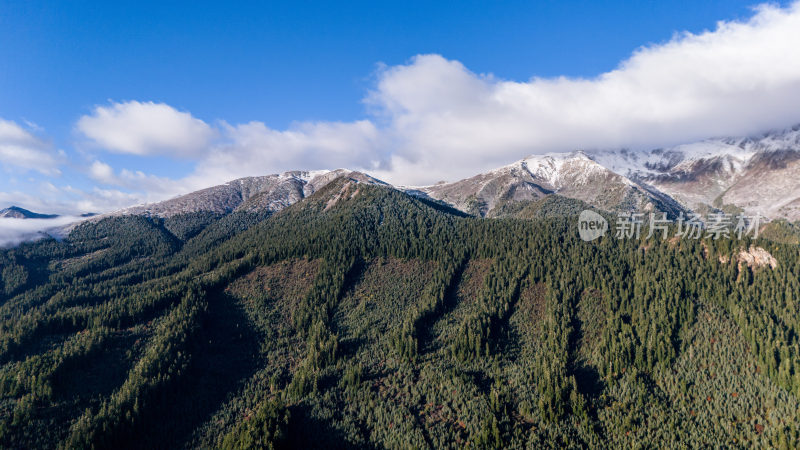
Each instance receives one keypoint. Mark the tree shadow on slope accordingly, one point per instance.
(306, 431)
(228, 353)
(348, 347)
(587, 378)
(427, 342)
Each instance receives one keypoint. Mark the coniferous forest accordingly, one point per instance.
(364, 317)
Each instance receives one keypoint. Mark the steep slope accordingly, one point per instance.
(572, 175)
(769, 185)
(757, 175)
(269, 193)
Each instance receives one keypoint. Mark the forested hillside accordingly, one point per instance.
(364, 317)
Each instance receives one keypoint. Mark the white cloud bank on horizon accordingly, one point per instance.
(433, 118)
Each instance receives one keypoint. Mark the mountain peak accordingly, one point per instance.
(754, 174)
(269, 193)
(15, 212)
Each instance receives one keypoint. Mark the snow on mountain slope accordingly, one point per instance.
(757, 175)
(270, 193)
(574, 175)
(15, 212)
(559, 170)
(673, 160)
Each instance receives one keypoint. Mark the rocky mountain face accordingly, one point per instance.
(573, 175)
(271, 193)
(15, 212)
(755, 175)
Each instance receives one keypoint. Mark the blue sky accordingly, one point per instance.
(271, 86)
(283, 61)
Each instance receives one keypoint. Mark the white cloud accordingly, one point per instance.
(146, 128)
(102, 172)
(97, 200)
(21, 149)
(255, 149)
(252, 149)
(69, 200)
(65, 200)
(141, 186)
(434, 119)
(36, 202)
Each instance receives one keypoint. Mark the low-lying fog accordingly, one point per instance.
(15, 231)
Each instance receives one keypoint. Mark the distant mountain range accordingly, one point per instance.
(751, 175)
(757, 175)
(15, 212)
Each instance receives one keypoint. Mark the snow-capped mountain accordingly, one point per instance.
(756, 175)
(271, 193)
(574, 175)
(15, 212)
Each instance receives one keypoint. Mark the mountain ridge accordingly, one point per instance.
(754, 175)
(269, 192)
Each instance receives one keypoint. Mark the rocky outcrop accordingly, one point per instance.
(756, 257)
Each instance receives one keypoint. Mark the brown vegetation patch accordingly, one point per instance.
(472, 280)
(73, 262)
(381, 295)
(532, 302)
(465, 300)
(286, 283)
